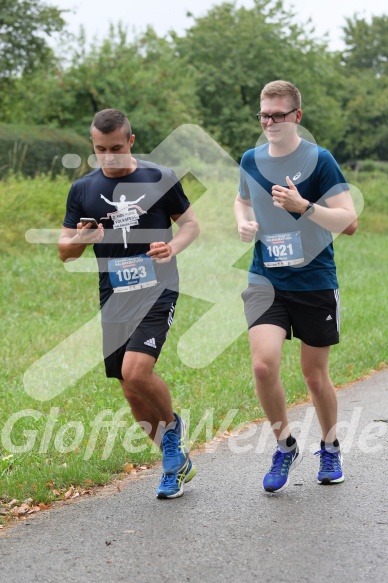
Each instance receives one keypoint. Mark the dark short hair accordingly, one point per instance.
(109, 120)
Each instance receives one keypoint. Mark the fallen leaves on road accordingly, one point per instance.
(21, 510)
(129, 468)
(16, 510)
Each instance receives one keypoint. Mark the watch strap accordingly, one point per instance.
(309, 210)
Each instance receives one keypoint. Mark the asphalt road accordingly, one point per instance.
(226, 528)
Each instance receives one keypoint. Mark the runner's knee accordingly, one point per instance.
(264, 370)
(135, 375)
(315, 381)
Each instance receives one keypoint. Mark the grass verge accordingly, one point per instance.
(86, 435)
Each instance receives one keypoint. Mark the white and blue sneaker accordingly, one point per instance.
(174, 450)
(171, 485)
(277, 478)
(330, 467)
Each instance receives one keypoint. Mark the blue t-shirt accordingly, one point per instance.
(306, 247)
(135, 210)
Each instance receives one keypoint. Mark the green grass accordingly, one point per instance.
(42, 304)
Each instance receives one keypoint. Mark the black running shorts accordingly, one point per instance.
(145, 335)
(311, 316)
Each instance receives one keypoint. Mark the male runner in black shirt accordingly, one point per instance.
(134, 203)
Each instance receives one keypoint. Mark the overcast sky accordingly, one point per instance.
(163, 15)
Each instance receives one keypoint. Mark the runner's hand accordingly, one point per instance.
(247, 230)
(87, 235)
(160, 251)
(289, 198)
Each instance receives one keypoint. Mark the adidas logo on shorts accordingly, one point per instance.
(151, 342)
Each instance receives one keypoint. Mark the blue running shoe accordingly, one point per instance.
(175, 453)
(330, 467)
(277, 479)
(171, 485)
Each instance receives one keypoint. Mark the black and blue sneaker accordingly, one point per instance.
(174, 450)
(330, 467)
(171, 485)
(277, 479)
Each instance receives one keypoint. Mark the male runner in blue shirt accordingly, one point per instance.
(292, 196)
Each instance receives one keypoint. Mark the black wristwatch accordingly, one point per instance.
(309, 210)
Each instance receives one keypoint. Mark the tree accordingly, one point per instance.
(365, 114)
(366, 44)
(212, 76)
(235, 52)
(23, 24)
(143, 77)
(364, 67)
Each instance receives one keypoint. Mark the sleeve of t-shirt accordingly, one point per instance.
(175, 199)
(73, 209)
(243, 185)
(331, 179)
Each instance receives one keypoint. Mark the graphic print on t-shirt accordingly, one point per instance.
(126, 215)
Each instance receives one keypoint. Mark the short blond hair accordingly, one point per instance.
(281, 88)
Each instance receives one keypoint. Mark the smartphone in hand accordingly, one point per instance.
(86, 220)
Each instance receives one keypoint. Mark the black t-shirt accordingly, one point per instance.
(135, 210)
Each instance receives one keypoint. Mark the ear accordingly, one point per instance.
(131, 140)
(298, 116)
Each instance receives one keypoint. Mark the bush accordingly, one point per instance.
(368, 166)
(34, 150)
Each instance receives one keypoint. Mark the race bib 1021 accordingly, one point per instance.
(282, 249)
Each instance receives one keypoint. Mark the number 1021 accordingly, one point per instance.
(280, 250)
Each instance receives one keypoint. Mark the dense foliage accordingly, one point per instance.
(22, 46)
(211, 76)
(34, 150)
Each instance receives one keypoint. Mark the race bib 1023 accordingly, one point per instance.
(131, 273)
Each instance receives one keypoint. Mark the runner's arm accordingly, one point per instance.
(188, 230)
(339, 216)
(245, 217)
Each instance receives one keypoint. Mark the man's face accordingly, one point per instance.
(280, 133)
(113, 151)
